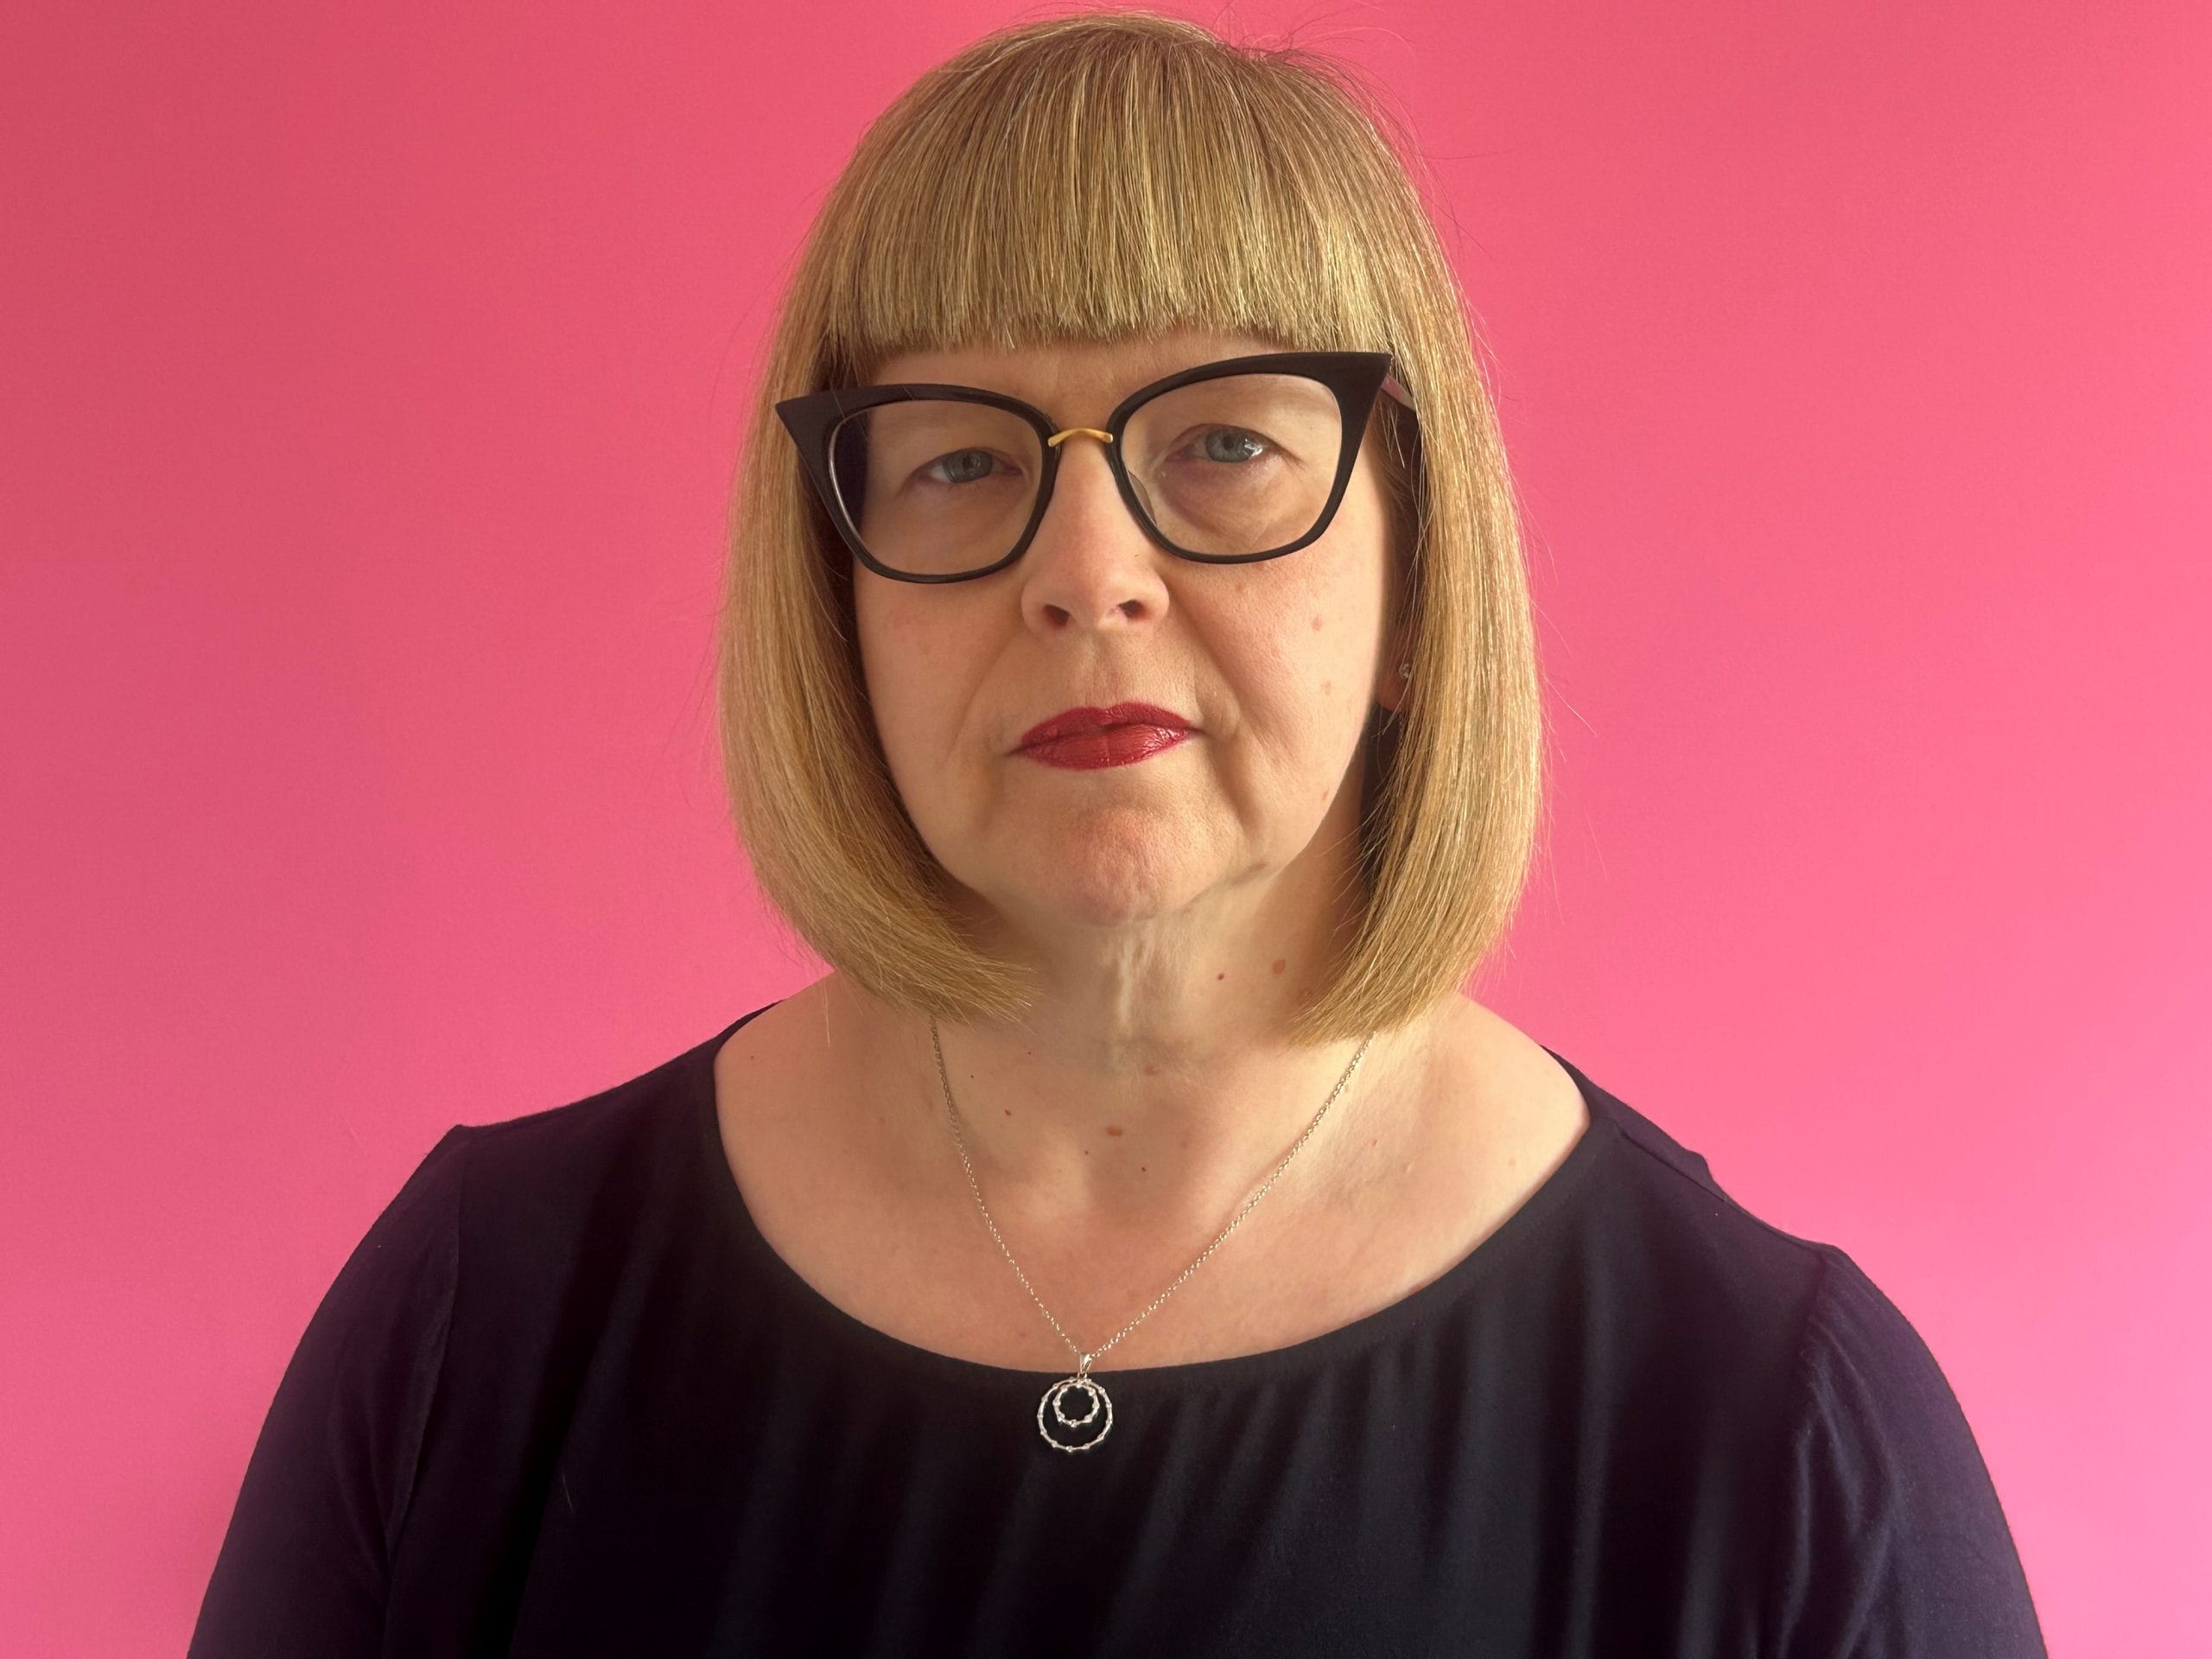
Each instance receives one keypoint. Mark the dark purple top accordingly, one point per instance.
(563, 1399)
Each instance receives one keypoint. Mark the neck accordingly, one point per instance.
(1145, 1108)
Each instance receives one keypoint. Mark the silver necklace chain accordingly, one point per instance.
(1083, 1359)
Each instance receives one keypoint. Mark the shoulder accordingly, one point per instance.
(1670, 1207)
(1891, 1537)
(1687, 1301)
(1885, 1531)
(1661, 1199)
(585, 1140)
(539, 1189)
(1664, 1205)
(498, 1222)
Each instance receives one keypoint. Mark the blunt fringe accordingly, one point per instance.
(1093, 178)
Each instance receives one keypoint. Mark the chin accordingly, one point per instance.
(1086, 889)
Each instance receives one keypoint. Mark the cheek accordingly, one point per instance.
(913, 669)
(1332, 611)
(1305, 682)
(888, 634)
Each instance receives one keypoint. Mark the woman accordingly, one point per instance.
(1137, 1244)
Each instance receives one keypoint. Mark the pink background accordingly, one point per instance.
(372, 380)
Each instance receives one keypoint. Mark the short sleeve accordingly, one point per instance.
(1893, 1544)
(303, 1565)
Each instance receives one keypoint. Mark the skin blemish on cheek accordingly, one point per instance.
(1113, 1128)
(1280, 963)
(1317, 625)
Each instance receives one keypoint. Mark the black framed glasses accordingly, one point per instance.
(1226, 463)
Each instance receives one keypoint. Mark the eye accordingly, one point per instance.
(1231, 445)
(961, 467)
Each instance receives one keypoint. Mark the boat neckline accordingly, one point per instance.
(1508, 1240)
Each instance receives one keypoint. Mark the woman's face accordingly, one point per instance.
(1275, 664)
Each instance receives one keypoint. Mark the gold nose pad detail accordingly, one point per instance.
(1059, 438)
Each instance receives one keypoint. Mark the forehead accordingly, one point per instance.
(1057, 372)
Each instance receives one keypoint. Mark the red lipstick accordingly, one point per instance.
(1087, 738)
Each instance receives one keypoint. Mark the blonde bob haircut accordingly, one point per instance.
(1093, 178)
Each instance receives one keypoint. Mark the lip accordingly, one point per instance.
(1076, 722)
(1083, 740)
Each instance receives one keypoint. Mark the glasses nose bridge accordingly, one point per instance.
(1060, 438)
(1107, 445)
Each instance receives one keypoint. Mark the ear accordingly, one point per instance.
(1396, 660)
(1392, 672)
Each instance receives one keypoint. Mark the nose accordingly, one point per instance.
(1090, 560)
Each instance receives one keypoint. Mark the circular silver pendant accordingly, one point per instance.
(1075, 1433)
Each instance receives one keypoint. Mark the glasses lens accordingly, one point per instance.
(936, 486)
(1237, 465)
(1234, 466)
